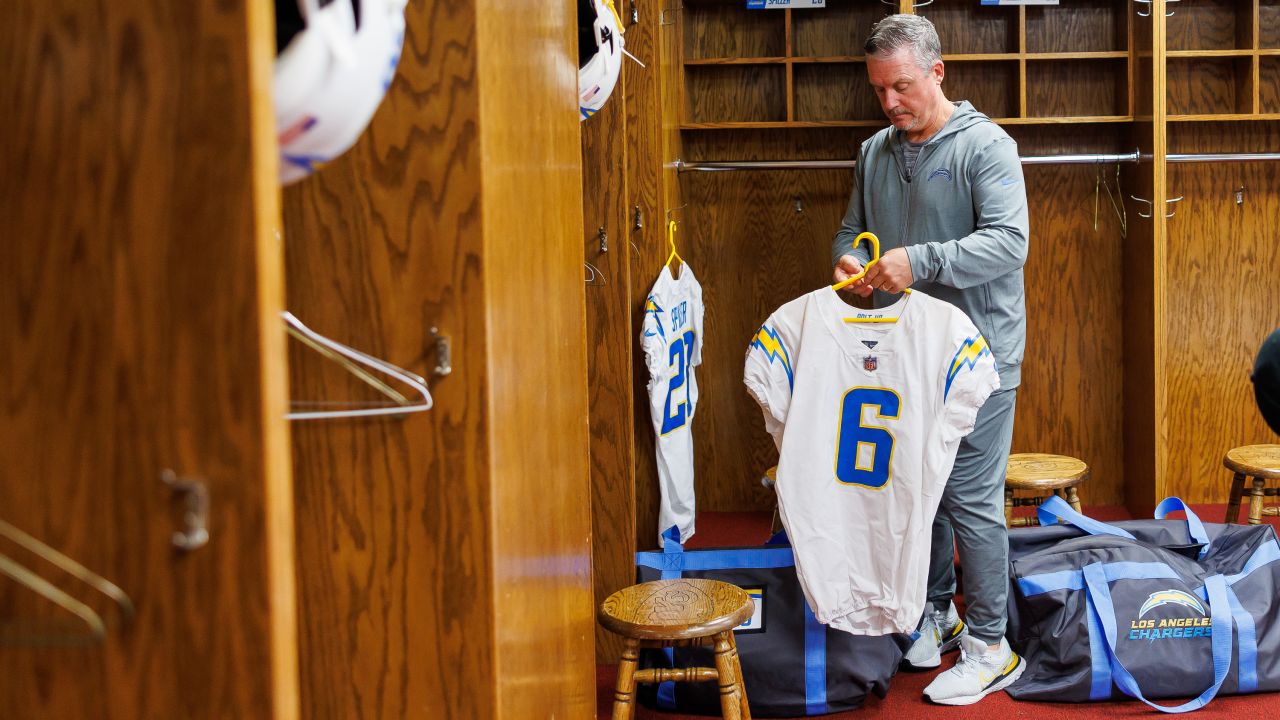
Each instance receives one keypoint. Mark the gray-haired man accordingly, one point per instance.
(943, 190)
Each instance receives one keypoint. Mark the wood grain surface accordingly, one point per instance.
(676, 609)
(1070, 399)
(1209, 86)
(834, 92)
(992, 86)
(1258, 461)
(1220, 308)
(543, 604)
(723, 93)
(451, 545)
(973, 28)
(140, 290)
(1081, 26)
(1143, 258)
(1269, 84)
(1268, 24)
(609, 341)
(1084, 87)
(1209, 25)
(839, 29)
(653, 114)
(1041, 471)
(721, 29)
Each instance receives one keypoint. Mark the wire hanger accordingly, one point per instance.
(352, 360)
(875, 258)
(21, 633)
(97, 629)
(671, 240)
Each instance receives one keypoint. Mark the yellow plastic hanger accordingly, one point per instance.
(875, 258)
(671, 240)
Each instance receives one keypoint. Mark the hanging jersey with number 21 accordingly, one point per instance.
(671, 338)
(867, 418)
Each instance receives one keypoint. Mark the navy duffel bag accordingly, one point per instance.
(791, 664)
(1151, 609)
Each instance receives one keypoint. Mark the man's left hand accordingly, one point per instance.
(892, 274)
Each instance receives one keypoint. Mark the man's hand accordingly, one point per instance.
(891, 274)
(846, 267)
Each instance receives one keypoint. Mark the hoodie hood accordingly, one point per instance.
(965, 116)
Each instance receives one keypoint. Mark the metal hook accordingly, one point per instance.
(596, 274)
(1137, 3)
(675, 210)
(1148, 203)
(915, 6)
(1169, 2)
(195, 532)
(1170, 202)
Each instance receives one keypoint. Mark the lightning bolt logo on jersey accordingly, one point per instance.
(671, 338)
(866, 443)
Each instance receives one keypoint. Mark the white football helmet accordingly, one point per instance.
(598, 76)
(334, 61)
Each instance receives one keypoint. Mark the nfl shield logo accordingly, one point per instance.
(869, 364)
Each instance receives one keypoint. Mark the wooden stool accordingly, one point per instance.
(1261, 463)
(665, 613)
(1037, 472)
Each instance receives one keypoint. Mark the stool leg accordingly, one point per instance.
(624, 694)
(730, 682)
(1073, 499)
(1008, 508)
(1233, 502)
(737, 666)
(1255, 502)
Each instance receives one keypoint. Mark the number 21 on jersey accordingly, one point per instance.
(864, 451)
(678, 354)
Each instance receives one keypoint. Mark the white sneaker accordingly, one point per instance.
(939, 633)
(979, 672)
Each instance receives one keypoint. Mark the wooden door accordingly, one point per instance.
(140, 291)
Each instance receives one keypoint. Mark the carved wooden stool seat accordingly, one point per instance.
(1041, 474)
(1259, 463)
(670, 612)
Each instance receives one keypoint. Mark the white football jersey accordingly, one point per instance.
(867, 418)
(671, 337)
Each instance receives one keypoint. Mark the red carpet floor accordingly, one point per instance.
(905, 695)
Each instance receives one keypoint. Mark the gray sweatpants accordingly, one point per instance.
(972, 511)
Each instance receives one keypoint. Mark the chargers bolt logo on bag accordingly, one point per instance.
(1170, 628)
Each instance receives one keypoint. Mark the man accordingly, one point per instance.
(942, 189)
(1266, 380)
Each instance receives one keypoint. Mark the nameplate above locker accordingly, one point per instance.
(784, 4)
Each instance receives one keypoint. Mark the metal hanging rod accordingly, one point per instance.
(1098, 159)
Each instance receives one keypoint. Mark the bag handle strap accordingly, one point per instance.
(1099, 596)
(1055, 509)
(1195, 528)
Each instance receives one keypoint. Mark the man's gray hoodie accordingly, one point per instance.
(962, 217)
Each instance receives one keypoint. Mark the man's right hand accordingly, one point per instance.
(846, 267)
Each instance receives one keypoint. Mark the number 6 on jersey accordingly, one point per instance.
(864, 453)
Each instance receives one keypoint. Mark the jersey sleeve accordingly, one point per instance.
(770, 375)
(969, 378)
(653, 338)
